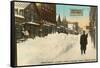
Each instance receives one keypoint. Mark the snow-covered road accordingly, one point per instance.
(54, 48)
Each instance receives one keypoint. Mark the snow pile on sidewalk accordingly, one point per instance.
(43, 49)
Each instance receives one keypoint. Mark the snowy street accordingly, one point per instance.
(54, 48)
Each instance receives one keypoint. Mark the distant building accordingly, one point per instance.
(73, 27)
(93, 23)
(65, 26)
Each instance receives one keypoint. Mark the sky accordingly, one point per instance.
(64, 11)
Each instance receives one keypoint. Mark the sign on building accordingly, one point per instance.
(76, 12)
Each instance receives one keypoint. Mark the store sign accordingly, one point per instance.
(76, 12)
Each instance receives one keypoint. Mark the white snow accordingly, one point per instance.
(54, 48)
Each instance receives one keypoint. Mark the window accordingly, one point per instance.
(16, 11)
(21, 12)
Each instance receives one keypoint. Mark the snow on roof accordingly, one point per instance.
(32, 23)
(48, 24)
(21, 5)
(19, 16)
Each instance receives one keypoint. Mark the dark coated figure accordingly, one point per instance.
(83, 42)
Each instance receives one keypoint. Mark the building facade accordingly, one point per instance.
(19, 8)
(40, 19)
(93, 23)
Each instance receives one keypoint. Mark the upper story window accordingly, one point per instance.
(16, 11)
(21, 12)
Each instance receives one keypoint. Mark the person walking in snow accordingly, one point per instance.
(83, 42)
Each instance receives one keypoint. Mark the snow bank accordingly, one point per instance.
(43, 49)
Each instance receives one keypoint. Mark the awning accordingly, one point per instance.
(19, 16)
(49, 24)
(32, 23)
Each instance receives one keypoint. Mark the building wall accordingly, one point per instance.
(31, 13)
(47, 12)
(93, 23)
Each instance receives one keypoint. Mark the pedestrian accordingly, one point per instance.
(83, 42)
